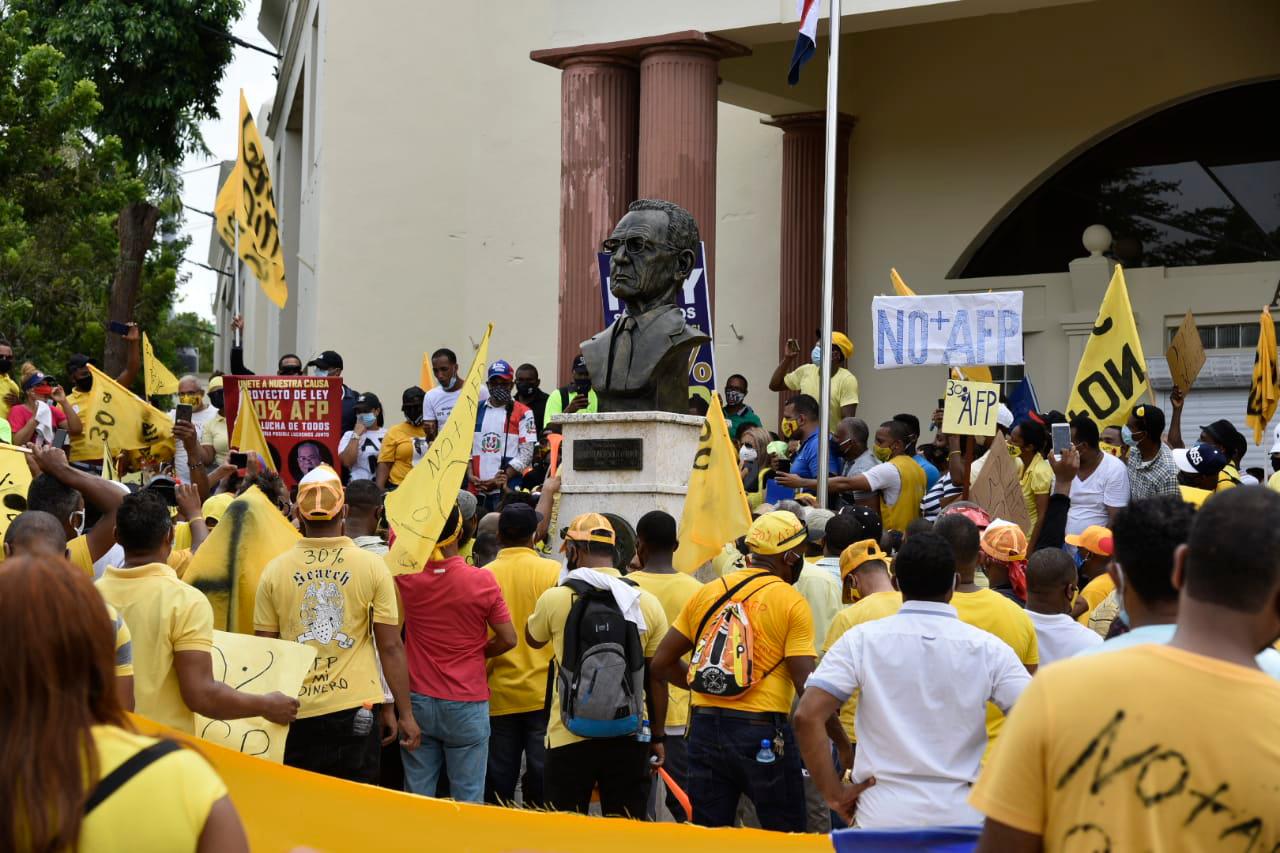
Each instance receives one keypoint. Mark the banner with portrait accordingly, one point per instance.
(300, 416)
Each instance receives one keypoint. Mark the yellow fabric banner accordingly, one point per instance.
(247, 435)
(1264, 390)
(283, 808)
(715, 507)
(108, 464)
(124, 422)
(257, 665)
(426, 379)
(1112, 376)
(418, 509)
(975, 373)
(15, 477)
(228, 566)
(246, 199)
(155, 376)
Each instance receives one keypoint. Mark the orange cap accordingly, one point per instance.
(1095, 538)
(590, 527)
(1004, 541)
(320, 495)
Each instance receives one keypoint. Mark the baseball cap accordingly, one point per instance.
(588, 527)
(579, 363)
(872, 527)
(858, 553)
(1095, 538)
(841, 340)
(37, 378)
(517, 521)
(1005, 541)
(80, 360)
(368, 401)
(320, 495)
(215, 384)
(775, 532)
(1222, 431)
(216, 506)
(1004, 416)
(327, 359)
(502, 369)
(1200, 459)
(1275, 446)
(816, 520)
(466, 505)
(969, 510)
(412, 394)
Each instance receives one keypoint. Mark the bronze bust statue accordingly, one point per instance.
(641, 362)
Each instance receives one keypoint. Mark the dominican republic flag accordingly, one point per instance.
(807, 39)
(1022, 400)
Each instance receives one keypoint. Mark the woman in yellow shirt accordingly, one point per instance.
(1025, 444)
(405, 443)
(68, 739)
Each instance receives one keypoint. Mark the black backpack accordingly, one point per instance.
(601, 676)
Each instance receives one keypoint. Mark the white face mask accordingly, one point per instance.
(746, 453)
(78, 527)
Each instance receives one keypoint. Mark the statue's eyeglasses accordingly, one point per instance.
(635, 245)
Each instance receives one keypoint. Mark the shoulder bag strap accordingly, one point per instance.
(728, 594)
(140, 761)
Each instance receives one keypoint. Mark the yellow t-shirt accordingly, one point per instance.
(1228, 477)
(164, 616)
(823, 591)
(322, 592)
(78, 554)
(782, 627)
(1093, 593)
(7, 387)
(875, 606)
(518, 679)
(547, 623)
(124, 644)
(1037, 479)
(82, 449)
(175, 792)
(214, 433)
(398, 449)
(673, 591)
(807, 380)
(995, 614)
(1177, 752)
(1194, 496)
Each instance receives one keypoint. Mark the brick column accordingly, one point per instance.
(800, 273)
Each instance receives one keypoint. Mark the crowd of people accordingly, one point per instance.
(896, 658)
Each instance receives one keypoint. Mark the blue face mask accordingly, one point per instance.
(816, 355)
(369, 419)
(1126, 434)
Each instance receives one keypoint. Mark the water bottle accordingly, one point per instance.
(646, 734)
(765, 755)
(363, 722)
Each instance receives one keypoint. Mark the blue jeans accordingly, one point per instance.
(454, 735)
(722, 766)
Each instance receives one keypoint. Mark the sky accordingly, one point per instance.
(254, 72)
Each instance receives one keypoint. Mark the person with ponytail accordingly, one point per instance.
(44, 409)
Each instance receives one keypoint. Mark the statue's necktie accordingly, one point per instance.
(620, 346)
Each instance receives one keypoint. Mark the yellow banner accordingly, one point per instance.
(1264, 390)
(123, 422)
(246, 199)
(246, 435)
(1112, 376)
(228, 566)
(15, 477)
(418, 509)
(977, 372)
(155, 376)
(257, 665)
(283, 808)
(715, 507)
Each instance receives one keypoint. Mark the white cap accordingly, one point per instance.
(1275, 447)
(1004, 417)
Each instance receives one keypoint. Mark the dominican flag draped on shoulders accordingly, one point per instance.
(806, 39)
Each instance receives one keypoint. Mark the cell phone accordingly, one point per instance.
(793, 344)
(121, 329)
(942, 403)
(182, 412)
(60, 439)
(240, 460)
(1061, 438)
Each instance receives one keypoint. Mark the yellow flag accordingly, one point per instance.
(417, 510)
(108, 464)
(246, 199)
(247, 435)
(155, 375)
(1112, 376)
(15, 477)
(426, 377)
(900, 286)
(124, 422)
(975, 373)
(715, 507)
(228, 566)
(1264, 390)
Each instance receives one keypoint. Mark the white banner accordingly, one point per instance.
(958, 330)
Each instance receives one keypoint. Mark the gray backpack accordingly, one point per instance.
(601, 677)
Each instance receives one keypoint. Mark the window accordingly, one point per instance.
(1224, 335)
(1197, 183)
(1007, 376)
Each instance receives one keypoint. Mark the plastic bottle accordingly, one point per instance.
(363, 722)
(646, 733)
(765, 755)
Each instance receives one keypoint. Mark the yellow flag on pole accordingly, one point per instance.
(124, 422)
(15, 477)
(247, 435)
(418, 509)
(425, 376)
(1264, 390)
(108, 464)
(155, 375)
(1112, 376)
(975, 373)
(246, 198)
(715, 507)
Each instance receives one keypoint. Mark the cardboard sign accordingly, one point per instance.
(301, 418)
(959, 329)
(997, 488)
(1186, 354)
(257, 665)
(970, 408)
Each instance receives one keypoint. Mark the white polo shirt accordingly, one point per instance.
(926, 678)
(1059, 636)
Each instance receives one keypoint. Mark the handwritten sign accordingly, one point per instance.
(1186, 354)
(257, 665)
(15, 477)
(997, 488)
(970, 408)
(957, 329)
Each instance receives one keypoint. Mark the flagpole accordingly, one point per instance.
(828, 251)
(235, 281)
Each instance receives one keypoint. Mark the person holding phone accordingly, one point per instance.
(43, 410)
(576, 398)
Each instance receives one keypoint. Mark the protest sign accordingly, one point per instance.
(970, 408)
(1112, 376)
(959, 329)
(694, 299)
(1186, 354)
(997, 488)
(257, 665)
(15, 477)
(976, 373)
(300, 417)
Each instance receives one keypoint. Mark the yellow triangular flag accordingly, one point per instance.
(155, 376)
(1264, 390)
(108, 464)
(715, 507)
(247, 435)
(975, 373)
(123, 421)
(900, 286)
(418, 509)
(15, 477)
(1112, 376)
(246, 199)
(426, 377)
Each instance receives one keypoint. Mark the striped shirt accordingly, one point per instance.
(1148, 479)
(931, 503)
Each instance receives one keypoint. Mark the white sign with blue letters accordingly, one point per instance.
(959, 330)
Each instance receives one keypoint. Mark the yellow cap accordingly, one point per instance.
(320, 495)
(1006, 542)
(1094, 538)
(590, 527)
(216, 506)
(775, 532)
(215, 384)
(858, 553)
(842, 340)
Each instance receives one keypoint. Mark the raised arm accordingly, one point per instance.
(133, 356)
(777, 382)
(1176, 398)
(102, 494)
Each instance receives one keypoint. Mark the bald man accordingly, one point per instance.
(34, 532)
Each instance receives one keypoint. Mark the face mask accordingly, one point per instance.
(1122, 615)
(746, 453)
(191, 400)
(369, 419)
(1014, 450)
(526, 389)
(500, 395)
(6, 364)
(44, 392)
(1275, 463)
(816, 355)
(84, 383)
(788, 427)
(1126, 435)
(734, 397)
(215, 399)
(290, 370)
(78, 526)
(1110, 448)
(413, 416)
(451, 384)
(882, 453)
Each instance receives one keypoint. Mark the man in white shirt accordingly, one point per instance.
(190, 393)
(439, 401)
(1101, 488)
(925, 678)
(1052, 584)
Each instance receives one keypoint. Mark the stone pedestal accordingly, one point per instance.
(603, 469)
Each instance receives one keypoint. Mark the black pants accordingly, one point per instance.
(676, 763)
(327, 744)
(512, 736)
(620, 766)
